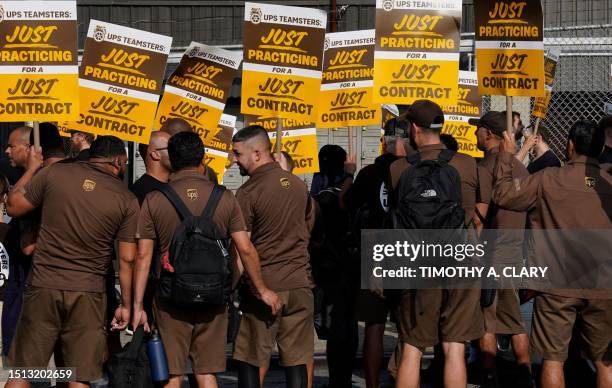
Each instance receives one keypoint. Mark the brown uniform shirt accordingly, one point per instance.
(158, 218)
(508, 245)
(465, 165)
(275, 207)
(560, 198)
(85, 209)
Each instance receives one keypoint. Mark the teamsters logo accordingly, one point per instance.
(194, 52)
(89, 185)
(387, 5)
(1, 13)
(326, 44)
(256, 15)
(99, 33)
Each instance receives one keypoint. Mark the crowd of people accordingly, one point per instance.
(188, 251)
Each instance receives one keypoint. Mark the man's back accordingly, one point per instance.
(87, 208)
(275, 206)
(465, 165)
(159, 219)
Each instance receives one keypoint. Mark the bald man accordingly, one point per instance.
(276, 209)
(157, 162)
(176, 125)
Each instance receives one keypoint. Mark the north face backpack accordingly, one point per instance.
(196, 270)
(429, 195)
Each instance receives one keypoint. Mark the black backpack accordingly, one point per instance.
(198, 255)
(429, 195)
(130, 367)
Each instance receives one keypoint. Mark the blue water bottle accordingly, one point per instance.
(157, 358)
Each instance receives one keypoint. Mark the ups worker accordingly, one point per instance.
(275, 204)
(65, 301)
(199, 335)
(575, 196)
(427, 317)
(503, 316)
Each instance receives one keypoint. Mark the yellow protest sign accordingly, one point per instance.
(510, 47)
(38, 52)
(298, 138)
(218, 145)
(540, 106)
(120, 81)
(456, 116)
(197, 90)
(346, 89)
(283, 52)
(417, 51)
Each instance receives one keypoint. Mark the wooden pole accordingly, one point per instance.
(279, 139)
(36, 130)
(536, 126)
(509, 126)
(350, 140)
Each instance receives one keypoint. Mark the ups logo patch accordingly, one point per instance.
(192, 194)
(285, 184)
(589, 182)
(89, 185)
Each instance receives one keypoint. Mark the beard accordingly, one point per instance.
(243, 172)
(412, 142)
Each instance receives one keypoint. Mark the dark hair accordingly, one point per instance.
(588, 138)
(397, 127)
(50, 141)
(185, 149)
(251, 132)
(107, 147)
(606, 123)
(88, 136)
(544, 133)
(449, 141)
(331, 159)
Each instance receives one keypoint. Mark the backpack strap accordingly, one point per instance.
(445, 156)
(414, 158)
(213, 201)
(176, 201)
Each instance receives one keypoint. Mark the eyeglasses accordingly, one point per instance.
(161, 149)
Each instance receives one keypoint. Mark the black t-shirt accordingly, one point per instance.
(606, 155)
(144, 185)
(548, 159)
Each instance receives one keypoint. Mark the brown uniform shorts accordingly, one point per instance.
(197, 333)
(292, 329)
(427, 317)
(553, 320)
(73, 319)
(504, 315)
(370, 307)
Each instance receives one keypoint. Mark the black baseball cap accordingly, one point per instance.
(426, 114)
(494, 121)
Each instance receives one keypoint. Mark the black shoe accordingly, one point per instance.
(489, 379)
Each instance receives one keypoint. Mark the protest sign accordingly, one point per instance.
(283, 58)
(299, 139)
(456, 116)
(417, 51)
(346, 89)
(218, 145)
(120, 81)
(39, 61)
(197, 90)
(509, 47)
(540, 106)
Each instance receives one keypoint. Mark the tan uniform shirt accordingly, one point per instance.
(158, 218)
(84, 210)
(508, 245)
(275, 207)
(576, 196)
(465, 165)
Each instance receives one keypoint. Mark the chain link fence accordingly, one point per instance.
(583, 82)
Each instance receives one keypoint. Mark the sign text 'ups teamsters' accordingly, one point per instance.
(510, 47)
(283, 58)
(417, 51)
(120, 81)
(197, 90)
(456, 117)
(346, 90)
(38, 61)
